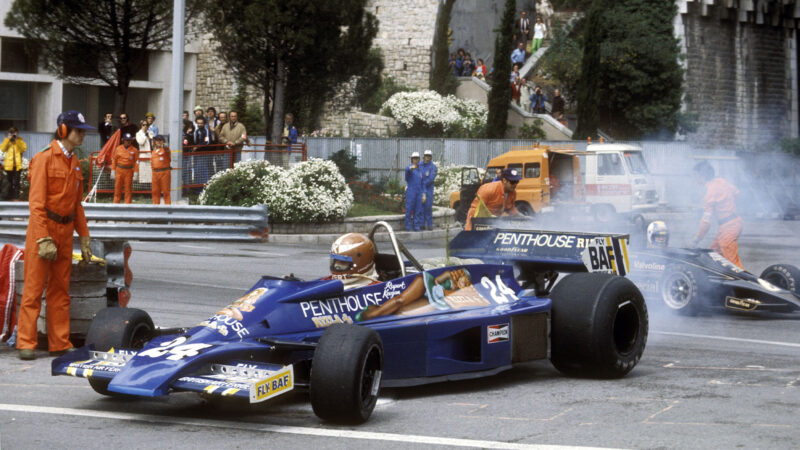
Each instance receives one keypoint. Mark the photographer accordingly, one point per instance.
(13, 146)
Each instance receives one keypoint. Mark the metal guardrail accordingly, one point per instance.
(155, 222)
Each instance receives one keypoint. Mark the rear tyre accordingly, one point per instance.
(599, 325)
(118, 328)
(785, 276)
(345, 374)
(682, 290)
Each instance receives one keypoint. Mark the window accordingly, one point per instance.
(16, 57)
(491, 172)
(532, 170)
(636, 162)
(14, 98)
(609, 164)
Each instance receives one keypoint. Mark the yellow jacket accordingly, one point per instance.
(13, 151)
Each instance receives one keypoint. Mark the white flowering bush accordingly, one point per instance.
(312, 191)
(448, 179)
(428, 114)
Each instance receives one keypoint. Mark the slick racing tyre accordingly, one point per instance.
(525, 209)
(683, 290)
(599, 325)
(785, 276)
(345, 374)
(118, 328)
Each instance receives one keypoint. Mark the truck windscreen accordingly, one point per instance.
(635, 162)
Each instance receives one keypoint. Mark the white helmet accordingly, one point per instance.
(657, 234)
(415, 155)
(428, 153)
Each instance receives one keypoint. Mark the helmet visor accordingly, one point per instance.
(341, 263)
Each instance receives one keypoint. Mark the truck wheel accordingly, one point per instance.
(603, 213)
(345, 374)
(682, 290)
(599, 325)
(525, 209)
(118, 328)
(785, 276)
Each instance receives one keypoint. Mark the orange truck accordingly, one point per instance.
(606, 180)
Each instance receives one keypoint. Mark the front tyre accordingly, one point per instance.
(785, 276)
(345, 374)
(599, 325)
(118, 328)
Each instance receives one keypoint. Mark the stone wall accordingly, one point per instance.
(216, 84)
(405, 36)
(358, 124)
(740, 77)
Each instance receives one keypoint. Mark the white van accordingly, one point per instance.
(617, 181)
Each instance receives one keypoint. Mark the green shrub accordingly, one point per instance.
(346, 163)
(531, 130)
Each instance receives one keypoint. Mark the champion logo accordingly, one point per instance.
(497, 333)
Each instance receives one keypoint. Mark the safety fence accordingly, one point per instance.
(155, 222)
(198, 164)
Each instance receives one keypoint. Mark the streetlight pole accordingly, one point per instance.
(176, 97)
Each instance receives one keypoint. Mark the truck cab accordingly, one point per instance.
(617, 180)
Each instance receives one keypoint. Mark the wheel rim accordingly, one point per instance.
(626, 327)
(677, 291)
(372, 365)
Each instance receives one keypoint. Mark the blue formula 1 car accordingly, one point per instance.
(690, 281)
(471, 320)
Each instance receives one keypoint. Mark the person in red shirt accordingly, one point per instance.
(55, 214)
(160, 159)
(719, 202)
(497, 196)
(124, 161)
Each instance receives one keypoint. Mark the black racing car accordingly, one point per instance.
(688, 281)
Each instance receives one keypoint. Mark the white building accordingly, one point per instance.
(31, 98)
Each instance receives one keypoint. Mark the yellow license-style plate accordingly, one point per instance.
(277, 384)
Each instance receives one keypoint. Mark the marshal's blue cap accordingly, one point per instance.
(74, 119)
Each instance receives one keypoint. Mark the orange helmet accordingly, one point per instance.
(352, 253)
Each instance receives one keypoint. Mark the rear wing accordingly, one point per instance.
(546, 250)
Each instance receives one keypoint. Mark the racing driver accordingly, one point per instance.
(353, 261)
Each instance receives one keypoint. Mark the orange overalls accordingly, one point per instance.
(720, 202)
(495, 199)
(56, 211)
(160, 163)
(124, 161)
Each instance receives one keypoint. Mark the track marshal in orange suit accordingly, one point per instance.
(719, 202)
(160, 159)
(56, 214)
(124, 161)
(497, 197)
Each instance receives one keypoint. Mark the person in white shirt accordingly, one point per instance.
(538, 34)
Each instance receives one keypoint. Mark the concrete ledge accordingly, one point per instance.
(327, 239)
(442, 217)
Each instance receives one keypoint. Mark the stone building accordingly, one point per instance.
(741, 70)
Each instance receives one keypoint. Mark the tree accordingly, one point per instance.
(500, 95)
(442, 79)
(295, 51)
(107, 40)
(562, 61)
(631, 80)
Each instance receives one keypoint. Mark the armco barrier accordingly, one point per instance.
(155, 222)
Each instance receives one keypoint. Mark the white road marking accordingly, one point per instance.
(725, 338)
(267, 428)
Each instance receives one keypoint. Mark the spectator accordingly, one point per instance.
(289, 135)
(525, 94)
(523, 29)
(451, 64)
(459, 61)
(558, 104)
(538, 34)
(514, 74)
(480, 70)
(414, 189)
(106, 129)
(188, 159)
(467, 67)
(188, 135)
(545, 10)
(515, 90)
(152, 128)
(161, 175)
(538, 100)
(124, 163)
(212, 123)
(145, 141)
(518, 55)
(428, 178)
(198, 112)
(233, 135)
(125, 126)
(143, 138)
(201, 134)
(56, 214)
(13, 146)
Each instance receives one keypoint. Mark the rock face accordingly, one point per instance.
(741, 73)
